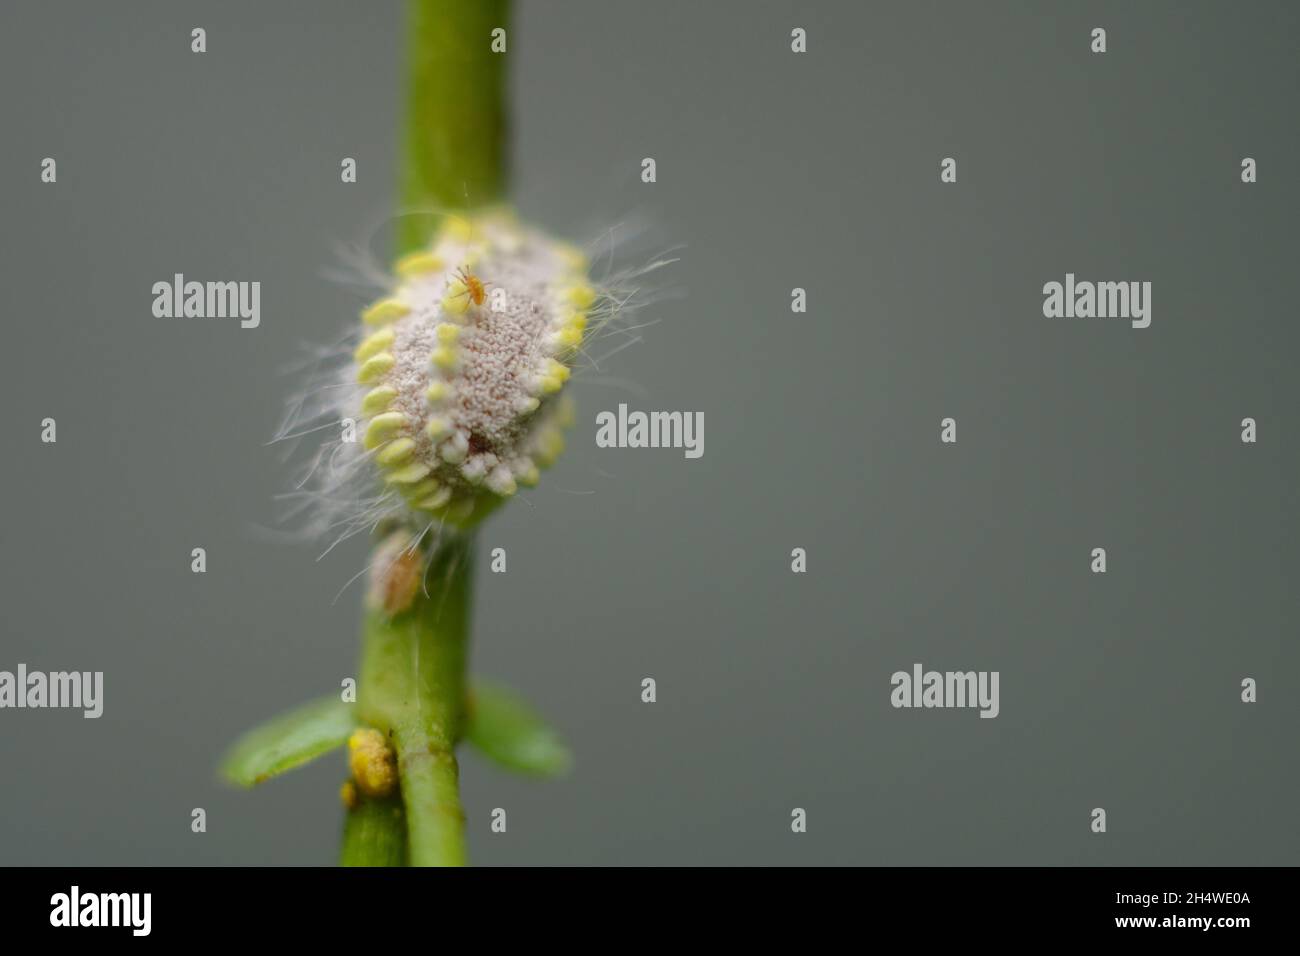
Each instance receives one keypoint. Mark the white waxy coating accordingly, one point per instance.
(482, 330)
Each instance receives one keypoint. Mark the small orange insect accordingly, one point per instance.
(475, 287)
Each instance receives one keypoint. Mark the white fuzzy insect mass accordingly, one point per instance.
(465, 370)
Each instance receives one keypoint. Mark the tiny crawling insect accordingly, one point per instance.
(475, 288)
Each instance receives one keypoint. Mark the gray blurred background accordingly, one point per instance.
(822, 430)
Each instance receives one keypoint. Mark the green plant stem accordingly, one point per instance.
(374, 834)
(453, 153)
(412, 687)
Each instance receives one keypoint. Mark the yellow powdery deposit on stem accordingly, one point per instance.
(465, 363)
(373, 764)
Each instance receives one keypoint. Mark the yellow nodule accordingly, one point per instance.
(454, 304)
(573, 257)
(459, 228)
(374, 344)
(373, 764)
(395, 452)
(529, 476)
(581, 296)
(409, 474)
(381, 428)
(348, 794)
(385, 310)
(375, 367)
(417, 264)
(378, 399)
(422, 489)
(569, 337)
(437, 428)
(434, 501)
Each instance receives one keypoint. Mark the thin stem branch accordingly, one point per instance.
(412, 688)
(453, 154)
(374, 834)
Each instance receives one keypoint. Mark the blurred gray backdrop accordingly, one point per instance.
(775, 170)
